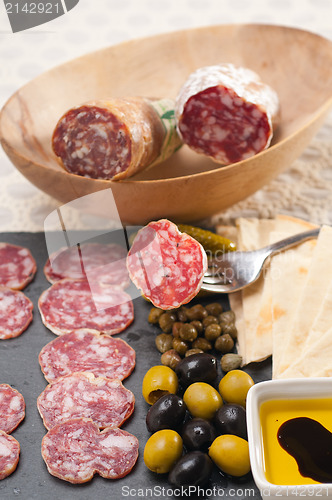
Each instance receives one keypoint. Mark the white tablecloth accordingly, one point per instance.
(305, 189)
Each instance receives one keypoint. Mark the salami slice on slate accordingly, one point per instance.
(167, 265)
(226, 112)
(17, 266)
(15, 313)
(70, 305)
(107, 402)
(76, 450)
(9, 454)
(87, 351)
(12, 408)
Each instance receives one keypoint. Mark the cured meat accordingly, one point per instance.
(76, 450)
(115, 138)
(95, 261)
(87, 351)
(12, 408)
(107, 402)
(9, 454)
(167, 265)
(17, 266)
(74, 304)
(15, 313)
(226, 113)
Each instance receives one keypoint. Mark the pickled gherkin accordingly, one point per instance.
(210, 241)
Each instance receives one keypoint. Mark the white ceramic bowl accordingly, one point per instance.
(308, 388)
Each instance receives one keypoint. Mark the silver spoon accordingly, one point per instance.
(234, 271)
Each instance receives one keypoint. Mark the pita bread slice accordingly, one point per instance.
(323, 320)
(315, 288)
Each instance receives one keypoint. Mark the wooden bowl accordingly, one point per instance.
(187, 187)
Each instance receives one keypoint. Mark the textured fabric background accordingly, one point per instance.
(304, 190)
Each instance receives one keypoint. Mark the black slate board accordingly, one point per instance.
(19, 367)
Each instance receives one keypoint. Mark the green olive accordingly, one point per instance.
(166, 321)
(163, 342)
(202, 400)
(157, 381)
(170, 358)
(224, 343)
(162, 450)
(234, 387)
(212, 332)
(214, 309)
(188, 332)
(231, 454)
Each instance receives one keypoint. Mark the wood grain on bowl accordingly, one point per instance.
(188, 186)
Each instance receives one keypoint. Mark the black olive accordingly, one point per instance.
(231, 419)
(200, 367)
(193, 469)
(198, 434)
(167, 413)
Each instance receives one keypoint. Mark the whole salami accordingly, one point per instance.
(87, 351)
(17, 266)
(12, 408)
(70, 305)
(9, 454)
(107, 402)
(167, 265)
(104, 263)
(76, 450)
(15, 313)
(116, 138)
(226, 112)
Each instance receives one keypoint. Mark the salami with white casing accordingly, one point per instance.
(87, 351)
(107, 402)
(9, 454)
(116, 138)
(15, 313)
(12, 408)
(17, 266)
(70, 305)
(167, 265)
(76, 450)
(226, 112)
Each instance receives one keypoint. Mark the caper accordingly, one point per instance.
(166, 321)
(231, 329)
(224, 343)
(227, 317)
(197, 312)
(182, 314)
(180, 346)
(176, 328)
(202, 343)
(209, 320)
(198, 325)
(170, 358)
(214, 309)
(164, 342)
(230, 362)
(190, 352)
(154, 315)
(212, 332)
(188, 332)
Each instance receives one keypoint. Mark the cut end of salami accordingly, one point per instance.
(12, 408)
(84, 351)
(70, 305)
(107, 402)
(76, 450)
(226, 113)
(17, 266)
(9, 454)
(15, 313)
(167, 265)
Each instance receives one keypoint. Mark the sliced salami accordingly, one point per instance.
(93, 261)
(9, 454)
(115, 138)
(15, 313)
(17, 266)
(107, 402)
(226, 113)
(167, 265)
(87, 351)
(12, 408)
(76, 450)
(70, 305)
